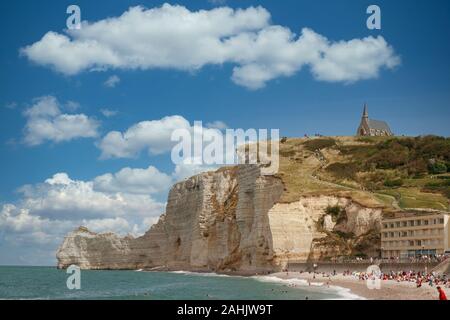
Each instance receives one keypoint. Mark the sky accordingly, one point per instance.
(86, 115)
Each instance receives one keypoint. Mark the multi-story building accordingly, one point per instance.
(415, 234)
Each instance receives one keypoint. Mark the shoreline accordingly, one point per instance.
(349, 287)
(389, 289)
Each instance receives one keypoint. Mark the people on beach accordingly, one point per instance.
(442, 295)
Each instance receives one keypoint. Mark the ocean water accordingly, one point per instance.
(50, 283)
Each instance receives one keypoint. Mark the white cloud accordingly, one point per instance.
(136, 181)
(63, 198)
(121, 202)
(21, 226)
(109, 113)
(72, 105)
(46, 122)
(188, 168)
(106, 225)
(47, 211)
(220, 125)
(177, 38)
(152, 135)
(112, 81)
(217, 2)
(11, 105)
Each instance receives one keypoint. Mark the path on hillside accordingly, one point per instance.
(324, 162)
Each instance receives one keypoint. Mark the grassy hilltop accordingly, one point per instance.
(390, 172)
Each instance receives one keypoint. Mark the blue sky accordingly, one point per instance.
(413, 96)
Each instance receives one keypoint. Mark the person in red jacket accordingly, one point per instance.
(442, 295)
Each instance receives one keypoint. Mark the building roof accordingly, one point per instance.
(379, 125)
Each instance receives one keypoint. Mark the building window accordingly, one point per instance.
(441, 221)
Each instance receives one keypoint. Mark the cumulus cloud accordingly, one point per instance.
(189, 168)
(62, 197)
(220, 125)
(22, 227)
(171, 36)
(47, 211)
(112, 81)
(122, 202)
(108, 113)
(217, 2)
(136, 181)
(153, 135)
(11, 105)
(46, 122)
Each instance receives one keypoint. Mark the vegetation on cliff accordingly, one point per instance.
(393, 172)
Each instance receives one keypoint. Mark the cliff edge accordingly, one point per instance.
(327, 200)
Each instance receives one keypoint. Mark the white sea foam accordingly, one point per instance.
(301, 282)
(344, 293)
(203, 274)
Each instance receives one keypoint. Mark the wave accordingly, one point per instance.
(203, 274)
(344, 293)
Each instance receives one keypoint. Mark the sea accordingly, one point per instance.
(23, 282)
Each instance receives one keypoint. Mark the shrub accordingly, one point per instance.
(438, 183)
(446, 192)
(287, 153)
(391, 156)
(437, 167)
(318, 144)
(343, 170)
(334, 211)
(417, 167)
(393, 183)
(337, 213)
(344, 235)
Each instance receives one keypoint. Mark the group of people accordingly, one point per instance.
(418, 278)
(315, 135)
(421, 259)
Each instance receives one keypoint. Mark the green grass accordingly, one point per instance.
(318, 144)
(414, 198)
(344, 172)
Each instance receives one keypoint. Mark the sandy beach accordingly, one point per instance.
(389, 289)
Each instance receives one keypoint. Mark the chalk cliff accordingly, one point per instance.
(228, 220)
(325, 201)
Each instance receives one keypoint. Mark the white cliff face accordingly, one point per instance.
(213, 221)
(295, 225)
(228, 220)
